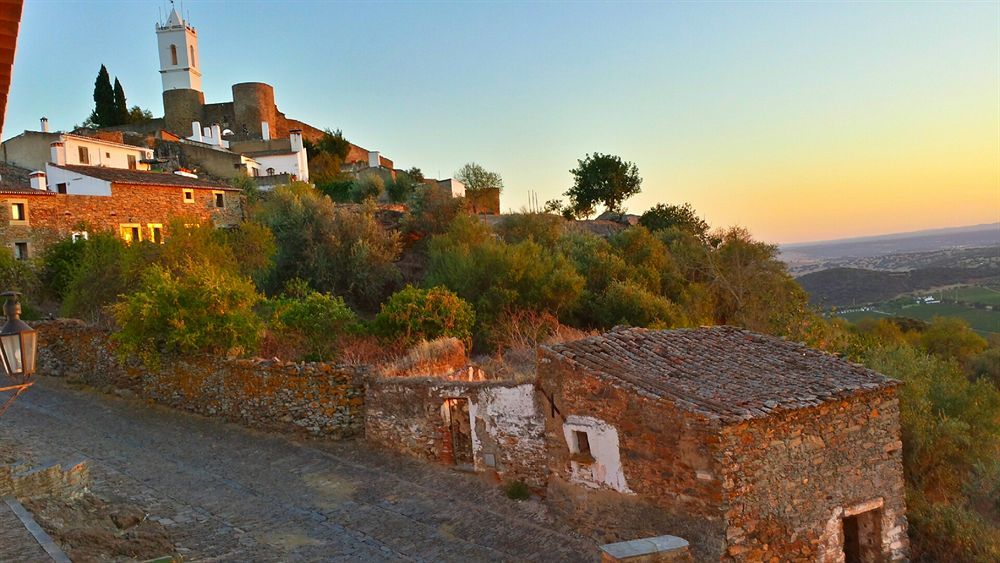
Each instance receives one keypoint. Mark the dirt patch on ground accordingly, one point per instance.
(88, 528)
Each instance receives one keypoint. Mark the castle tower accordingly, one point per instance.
(178, 48)
(183, 99)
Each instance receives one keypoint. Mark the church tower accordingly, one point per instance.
(178, 47)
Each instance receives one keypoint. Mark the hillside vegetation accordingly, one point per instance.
(305, 278)
(840, 287)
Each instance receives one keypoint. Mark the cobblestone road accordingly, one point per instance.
(228, 493)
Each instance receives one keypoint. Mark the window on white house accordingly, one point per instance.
(61, 187)
(84, 155)
(79, 235)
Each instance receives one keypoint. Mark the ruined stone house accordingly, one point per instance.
(750, 447)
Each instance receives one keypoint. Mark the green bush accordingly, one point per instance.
(413, 314)
(541, 228)
(517, 490)
(431, 210)
(369, 186)
(109, 268)
(627, 303)
(401, 188)
(336, 250)
(951, 338)
(320, 320)
(682, 217)
(203, 309)
(59, 264)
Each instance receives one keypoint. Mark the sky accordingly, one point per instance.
(799, 121)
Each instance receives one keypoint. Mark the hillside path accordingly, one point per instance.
(227, 493)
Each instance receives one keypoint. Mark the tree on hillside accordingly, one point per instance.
(416, 174)
(105, 113)
(121, 107)
(477, 178)
(683, 217)
(602, 179)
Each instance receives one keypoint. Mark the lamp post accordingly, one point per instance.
(18, 347)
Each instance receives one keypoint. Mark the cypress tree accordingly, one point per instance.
(121, 108)
(104, 100)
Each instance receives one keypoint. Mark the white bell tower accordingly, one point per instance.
(178, 47)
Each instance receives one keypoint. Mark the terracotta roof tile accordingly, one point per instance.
(142, 177)
(723, 373)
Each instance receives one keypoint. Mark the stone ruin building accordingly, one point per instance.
(750, 447)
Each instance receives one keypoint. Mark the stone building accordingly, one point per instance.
(750, 447)
(135, 205)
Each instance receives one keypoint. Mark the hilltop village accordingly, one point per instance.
(650, 388)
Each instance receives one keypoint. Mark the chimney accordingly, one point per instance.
(217, 134)
(373, 160)
(295, 136)
(45, 125)
(265, 130)
(38, 180)
(58, 153)
(196, 131)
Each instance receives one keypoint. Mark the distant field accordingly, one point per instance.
(985, 295)
(982, 320)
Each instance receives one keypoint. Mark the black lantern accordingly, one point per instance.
(18, 341)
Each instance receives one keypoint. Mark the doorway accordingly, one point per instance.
(863, 537)
(460, 430)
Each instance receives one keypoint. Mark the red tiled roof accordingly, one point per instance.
(723, 373)
(142, 177)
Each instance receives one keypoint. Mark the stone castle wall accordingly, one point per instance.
(405, 414)
(789, 480)
(52, 217)
(315, 398)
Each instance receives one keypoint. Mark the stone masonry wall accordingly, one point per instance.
(669, 461)
(405, 414)
(317, 398)
(789, 480)
(52, 217)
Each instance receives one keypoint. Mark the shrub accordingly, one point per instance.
(627, 303)
(413, 314)
(542, 228)
(496, 276)
(203, 309)
(517, 490)
(682, 217)
(107, 269)
(431, 211)
(369, 186)
(59, 264)
(401, 188)
(320, 320)
(336, 250)
(952, 338)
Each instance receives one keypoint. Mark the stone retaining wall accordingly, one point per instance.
(51, 480)
(318, 398)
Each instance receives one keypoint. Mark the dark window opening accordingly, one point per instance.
(173, 55)
(61, 187)
(582, 442)
(220, 200)
(84, 155)
(156, 234)
(188, 195)
(863, 537)
(21, 250)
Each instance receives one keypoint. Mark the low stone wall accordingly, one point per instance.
(318, 398)
(409, 415)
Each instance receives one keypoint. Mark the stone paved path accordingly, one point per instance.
(228, 493)
(16, 542)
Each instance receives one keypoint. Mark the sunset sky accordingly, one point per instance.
(799, 121)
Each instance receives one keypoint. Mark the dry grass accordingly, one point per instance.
(439, 357)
